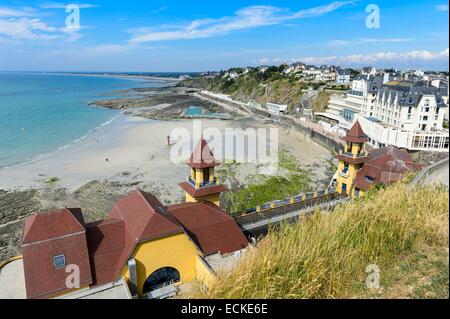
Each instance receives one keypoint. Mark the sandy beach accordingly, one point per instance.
(135, 150)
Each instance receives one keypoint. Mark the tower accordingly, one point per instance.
(351, 159)
(202, 185)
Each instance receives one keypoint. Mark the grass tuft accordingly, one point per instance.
(325, 256)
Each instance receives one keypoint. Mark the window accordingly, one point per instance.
(59, 261)
(345, 170)
(369, 178)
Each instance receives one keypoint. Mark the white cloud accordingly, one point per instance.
(338, 43)
(56, 5)
(442, 7)
(159, 10)
(8, 12)
(27, 28)
(358, 59)
(245, 18)
(23, 24)
(386, 40)
(365, 59)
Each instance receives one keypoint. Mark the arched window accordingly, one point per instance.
(161, 277)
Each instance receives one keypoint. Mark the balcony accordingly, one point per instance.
(344, 174)
(202, 184)
(350, 154)
(349, 157)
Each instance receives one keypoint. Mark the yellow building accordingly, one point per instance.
(202, 185)
(151, 246)
(358, 170)
(351, 159)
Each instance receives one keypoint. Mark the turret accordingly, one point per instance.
(351, 159)
(201, 184)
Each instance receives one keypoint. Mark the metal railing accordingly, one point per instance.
(300, 198)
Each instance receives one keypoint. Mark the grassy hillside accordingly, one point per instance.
(404, 233)
(269, 86)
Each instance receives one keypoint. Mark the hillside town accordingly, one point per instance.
(407, 109)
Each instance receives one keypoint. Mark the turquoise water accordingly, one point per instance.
(40, 113)
(194, 110)
(198, 111)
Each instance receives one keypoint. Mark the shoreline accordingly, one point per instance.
(129, 143)
(100, 75)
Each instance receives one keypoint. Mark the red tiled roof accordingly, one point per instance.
(58, 223)
(144, 218)
(102, 248)
(355, 134)
(47, 235)
(209, 227)
(385, 165)
(203, 191)
(106, 242)
(202, 156)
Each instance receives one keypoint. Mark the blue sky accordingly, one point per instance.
(212, 35)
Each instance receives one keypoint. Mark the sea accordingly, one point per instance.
(41, 113)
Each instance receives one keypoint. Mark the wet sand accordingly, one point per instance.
(132, 149)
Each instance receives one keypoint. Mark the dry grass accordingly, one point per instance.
(325, 256)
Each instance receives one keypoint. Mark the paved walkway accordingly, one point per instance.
(316, 127)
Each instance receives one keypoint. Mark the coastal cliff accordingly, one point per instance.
(272, 85)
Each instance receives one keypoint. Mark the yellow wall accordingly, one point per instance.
(356, 147)
(203, 272)
(351, 175)
(176, 251)
(214, 198)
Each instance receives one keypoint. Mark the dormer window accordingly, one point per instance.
(369, 178)
(59, 261)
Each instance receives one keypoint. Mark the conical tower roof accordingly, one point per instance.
(202, 156)
(356, 134)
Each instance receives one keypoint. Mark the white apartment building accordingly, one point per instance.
(343, 76)
(342, 108)
(408, 115)
(404, 114)
(276, 108)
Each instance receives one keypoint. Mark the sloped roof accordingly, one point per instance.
(202, 191)
(144, 218)
(46, 235)
(355, 134)
(209, 227)
(202, 156)
(62, 222)
(385, 165)
(106, 242)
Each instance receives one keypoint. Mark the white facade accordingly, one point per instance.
(381, 135)
(405, 116)
(276, 108)
(342, 78)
